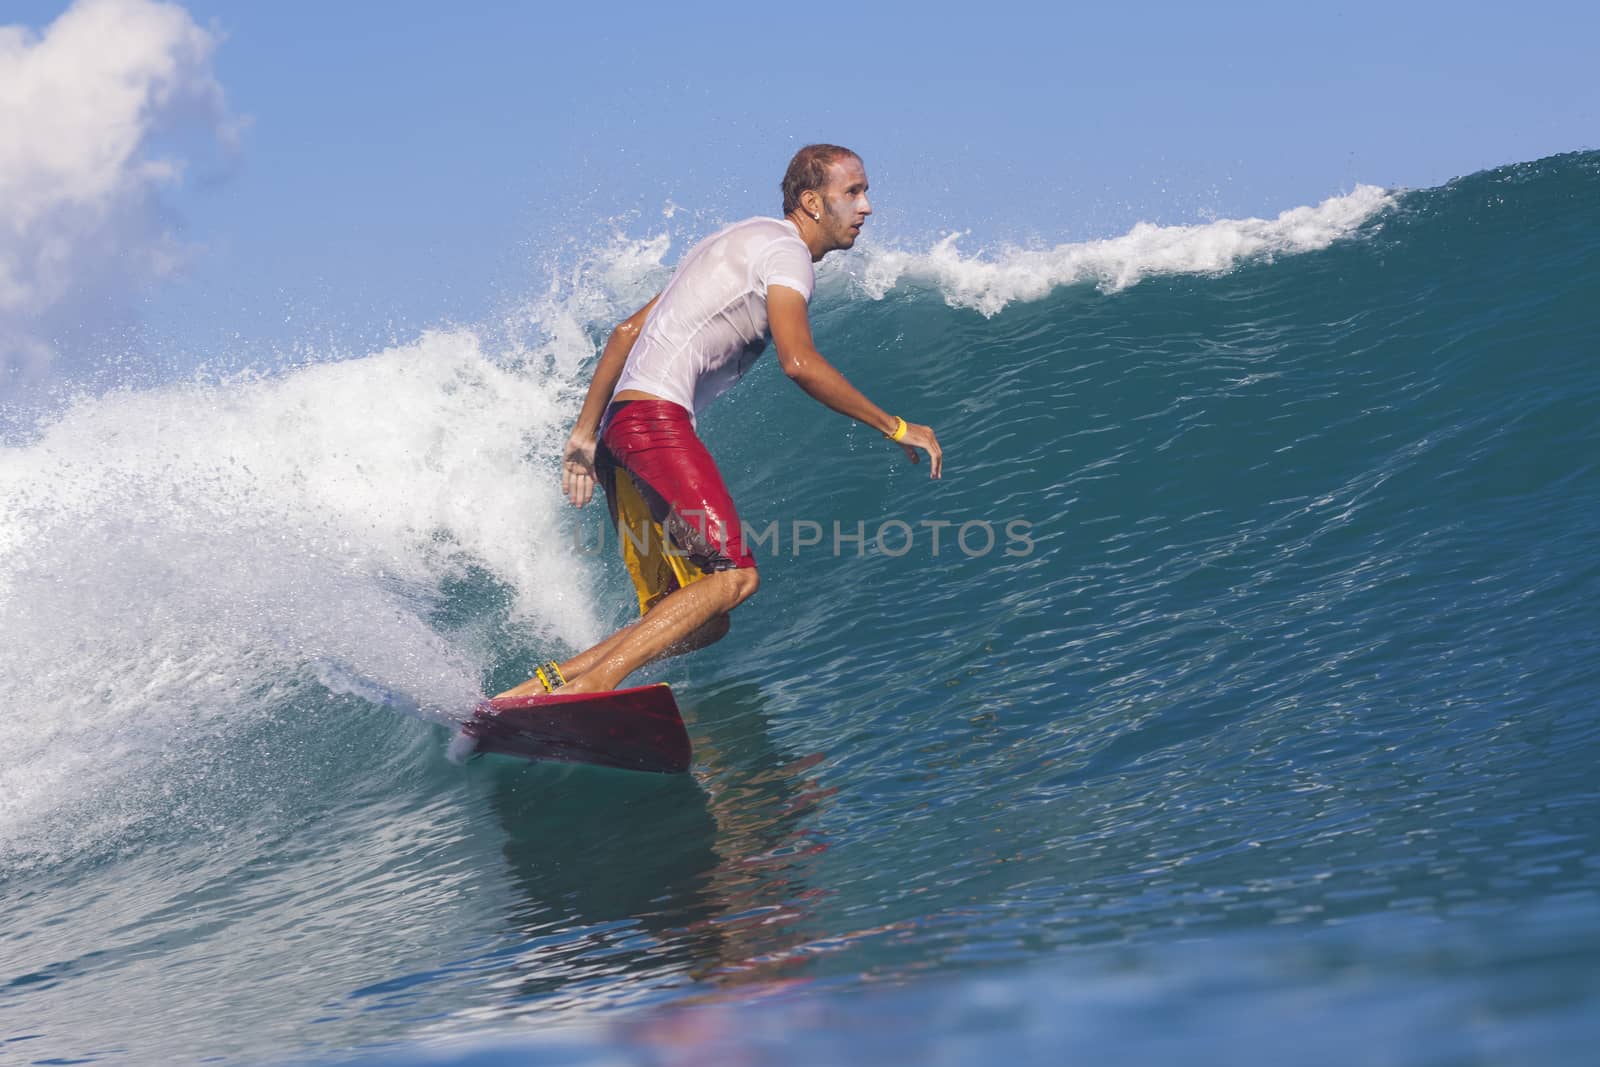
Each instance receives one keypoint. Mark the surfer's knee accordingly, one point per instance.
(741, 584)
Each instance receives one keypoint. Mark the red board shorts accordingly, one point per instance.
(669, 507)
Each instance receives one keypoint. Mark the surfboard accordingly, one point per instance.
(634, 729)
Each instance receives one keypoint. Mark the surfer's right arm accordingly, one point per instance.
(577, 460)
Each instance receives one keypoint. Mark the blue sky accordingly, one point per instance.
(405, 164)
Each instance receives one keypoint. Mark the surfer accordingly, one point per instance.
(681, 537)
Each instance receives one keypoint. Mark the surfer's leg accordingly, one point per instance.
(575, 667)
(714, 630)
(677, 529)
(682, 621)
(709, 633)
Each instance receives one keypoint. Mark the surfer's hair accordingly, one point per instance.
(809, 170)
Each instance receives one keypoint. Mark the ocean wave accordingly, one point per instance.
(178, 560)
(988, 284)
(170, 555)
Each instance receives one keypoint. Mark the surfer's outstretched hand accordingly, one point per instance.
(577, 469)
(922, 437)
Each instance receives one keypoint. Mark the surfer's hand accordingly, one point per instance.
(577, 469)
(922, 437)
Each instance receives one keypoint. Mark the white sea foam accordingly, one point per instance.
(583, 300)
(174, 561)
(988, 284)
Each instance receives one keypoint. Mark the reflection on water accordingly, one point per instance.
(658, 880)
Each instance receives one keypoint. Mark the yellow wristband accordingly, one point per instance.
(899, 430)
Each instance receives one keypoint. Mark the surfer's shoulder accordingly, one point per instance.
(763, 225)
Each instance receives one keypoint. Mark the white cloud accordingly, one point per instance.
(80, 228)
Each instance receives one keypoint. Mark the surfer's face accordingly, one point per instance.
(845, 206)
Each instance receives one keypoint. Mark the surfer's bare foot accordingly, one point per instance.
(531, 688)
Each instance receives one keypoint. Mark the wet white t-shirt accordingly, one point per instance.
(711, 321)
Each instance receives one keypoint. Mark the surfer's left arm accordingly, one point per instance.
(577, 458)
(798, 356)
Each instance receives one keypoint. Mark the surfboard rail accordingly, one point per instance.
(638, 729)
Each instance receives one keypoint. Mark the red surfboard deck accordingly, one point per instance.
(634, 729)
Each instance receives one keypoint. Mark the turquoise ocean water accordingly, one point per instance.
(1244, 713)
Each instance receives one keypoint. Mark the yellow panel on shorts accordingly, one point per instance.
(655, 567)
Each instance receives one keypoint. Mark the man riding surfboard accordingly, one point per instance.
(681, 536)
